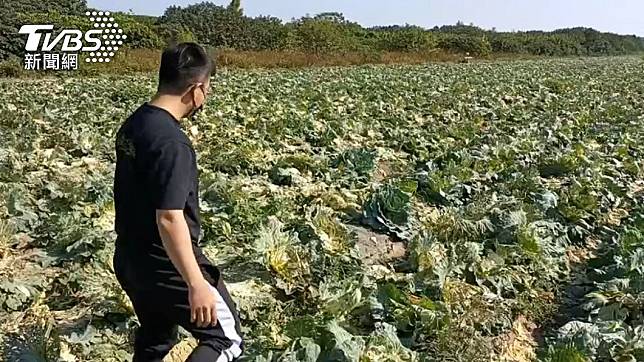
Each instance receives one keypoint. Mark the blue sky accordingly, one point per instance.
(619, 16)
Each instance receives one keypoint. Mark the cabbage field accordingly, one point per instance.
(440, 212)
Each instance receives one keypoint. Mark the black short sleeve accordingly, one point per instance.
(170, 175)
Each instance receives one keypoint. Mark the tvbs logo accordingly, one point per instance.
(101, 43)
(72, 39)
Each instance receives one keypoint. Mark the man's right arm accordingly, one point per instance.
(170, 177)
(175, 236)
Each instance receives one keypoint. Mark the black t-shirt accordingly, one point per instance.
(156, 168)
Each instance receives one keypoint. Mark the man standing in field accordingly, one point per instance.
(156, 193)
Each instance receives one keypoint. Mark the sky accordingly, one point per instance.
(618, 16)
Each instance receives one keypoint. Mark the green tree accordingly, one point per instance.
(320, 35)
(175, 34)
(211, 24)
(235, 7)
(266, 33)
(331, 16)
(463, 43)
(407, 38)
(12, 11)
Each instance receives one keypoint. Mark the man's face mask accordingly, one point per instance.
(193, 113)
(199, 90)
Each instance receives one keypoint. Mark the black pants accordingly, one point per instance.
(162, 307)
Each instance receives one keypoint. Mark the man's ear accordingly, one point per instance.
(188, 96)
(195, 87)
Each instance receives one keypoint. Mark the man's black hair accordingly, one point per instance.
(182, 65)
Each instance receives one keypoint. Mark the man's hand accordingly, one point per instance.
(203, 310)
(175, 236)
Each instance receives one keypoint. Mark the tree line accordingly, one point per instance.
(227, 27)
